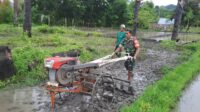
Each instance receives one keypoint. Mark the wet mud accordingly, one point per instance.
(31, 99)
(146, 72)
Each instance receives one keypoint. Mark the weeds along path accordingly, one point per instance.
(146, 72)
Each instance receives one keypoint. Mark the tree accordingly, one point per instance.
(165, 13)
(81, 12)
(147, 14)
(16, 12)
(74, 10)
(27, 17)
(5, 11)
(191, 14)
(135, 19)
(95, 11)
(178, 16)
(44, 8)
(118, 13)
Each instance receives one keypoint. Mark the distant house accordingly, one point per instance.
(164, 24)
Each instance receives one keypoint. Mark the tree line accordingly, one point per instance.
(96, 13)
(107, 13)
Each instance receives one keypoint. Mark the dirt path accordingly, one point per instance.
(146, 72)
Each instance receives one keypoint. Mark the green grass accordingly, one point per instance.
(193, 29)
(168, 45)
(45, 41)
(190, 37)
(163, 95)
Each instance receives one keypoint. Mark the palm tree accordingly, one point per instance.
(16, 12)
(27, 17)
(135, 19)
(178, 16)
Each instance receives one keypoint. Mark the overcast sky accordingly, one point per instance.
(163, 2)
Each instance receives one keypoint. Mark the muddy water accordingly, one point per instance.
(190, 100)
(23, 100)
(37, 99)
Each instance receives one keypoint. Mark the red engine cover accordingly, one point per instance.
(59, 61)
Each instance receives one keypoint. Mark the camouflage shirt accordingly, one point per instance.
(130, 45)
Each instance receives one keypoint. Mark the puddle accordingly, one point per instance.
(36, 99)
(190, 100)
(162, 38)
(23, 100)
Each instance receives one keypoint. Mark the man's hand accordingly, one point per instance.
(134, 57)
(113, 55)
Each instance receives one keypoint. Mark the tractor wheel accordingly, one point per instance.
(103, 93)
(64, 76)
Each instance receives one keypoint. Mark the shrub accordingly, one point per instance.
(47, 29)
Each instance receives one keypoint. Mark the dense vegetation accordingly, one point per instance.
(162, 96)
(85, 12)
(191, 14)
(97, 12)
(47, 40)
(5, 12)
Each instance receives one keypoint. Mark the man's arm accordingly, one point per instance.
(116, 40)
(118, 49)
(137, 46)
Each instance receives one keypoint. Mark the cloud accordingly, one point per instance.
(163, 2)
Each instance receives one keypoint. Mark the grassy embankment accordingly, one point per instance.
(45, 41)
(164, 94)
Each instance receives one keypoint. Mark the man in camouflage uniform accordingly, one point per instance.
(132, 48)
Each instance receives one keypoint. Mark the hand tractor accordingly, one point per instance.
(68, 75)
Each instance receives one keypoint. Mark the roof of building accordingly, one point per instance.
(165, 21)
